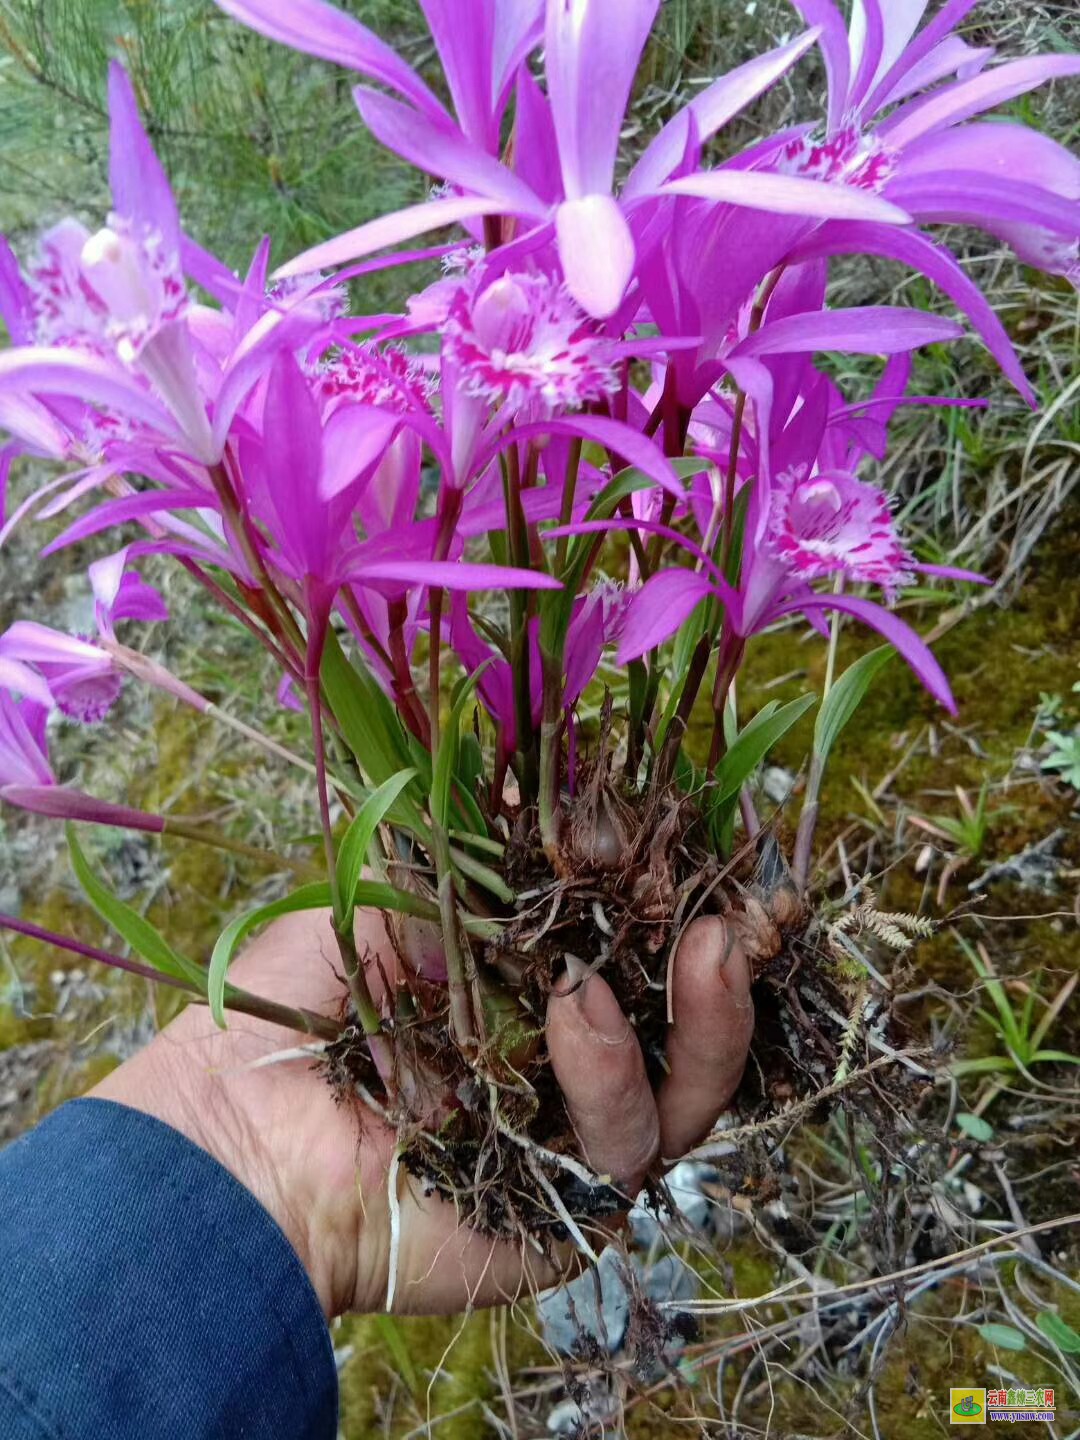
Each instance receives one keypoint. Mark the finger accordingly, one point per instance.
(709, 1040)
(598, 1064)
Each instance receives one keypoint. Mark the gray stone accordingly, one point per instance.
(571, 1316)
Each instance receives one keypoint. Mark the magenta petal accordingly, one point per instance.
(663, 603)
(442, 151)
(952, 572)
(715, 106)
(140, 188)
(319, 29)
(355, 438)
(48, 370)
(835, 50)
(36, 644)
(292, 464)
(938, 265)
(60, 803)
(14, 675)
(787, 195)
(389, 230)
(597, 252)
(914, 649)
(591, 54)
(933, 34)
(969, 197)
(970, 97)
(454, 575)
(157, 503)
(859, 330)
(16, 308)
(621, 439)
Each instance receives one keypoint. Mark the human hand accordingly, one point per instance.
(321, 1168)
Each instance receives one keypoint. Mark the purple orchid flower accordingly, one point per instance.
(592, 50)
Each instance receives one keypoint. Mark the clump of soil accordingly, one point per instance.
(491, 1131)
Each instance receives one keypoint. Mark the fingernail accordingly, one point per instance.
(601, 1012)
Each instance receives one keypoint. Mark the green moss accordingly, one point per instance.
(454, 1365)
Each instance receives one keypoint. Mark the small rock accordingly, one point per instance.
(1036, 868)
(668, 1280)
(570, 1315)
(777, 783)
(686, 1182)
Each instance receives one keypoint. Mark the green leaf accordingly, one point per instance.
(367, 718)
(754, 743)
(143, 938)
(392, 1337)
(446, 761)
(352, 856)
(308, 897)
(1004, 1337)
(1058, 1332)
(845, 697)
(975, 1127)
(370, 894)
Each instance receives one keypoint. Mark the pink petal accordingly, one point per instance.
(45, 370)
(389, 230)
(859, 330)
(787, 195)
(443, 152)
(970, 97)
(591, 53)
(713, 108)
(455, 575)
(663, 603)
(140, 188)
(597, 252)
(323, 30)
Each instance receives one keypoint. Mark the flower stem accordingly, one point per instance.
(354, 974)
(808, 815)
(294, 1018)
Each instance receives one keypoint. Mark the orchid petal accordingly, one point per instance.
(835, 50)
(389, 230)
(140, 188)
(148, 504)
(591, 50)
(900, 635)
(665, 601)
(322, 30)
(970, 97)
(909, 247)
(14, 675)
(16, 309)
(615, 436)
(859, 330)
(934, 33)
(49, 370)
(446, 153)
(597, 252)
(714, 107)
(292, 462)
(453, 575)
(971, 197)
(786, 195)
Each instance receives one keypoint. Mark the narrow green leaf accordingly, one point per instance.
(1058, 1332)
(1004, 1337)
(754, 743)
(394, 1340)
(308, 897)
(143, 938)
(367, 718)
(352, 856)
(368, 894)
(975, 1127)
(446, 760)
(845, 697)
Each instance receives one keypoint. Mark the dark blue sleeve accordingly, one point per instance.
(146, 1295)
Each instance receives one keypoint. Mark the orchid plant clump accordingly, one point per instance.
(595, 452)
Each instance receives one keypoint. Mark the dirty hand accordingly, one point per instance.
(322, 1172)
